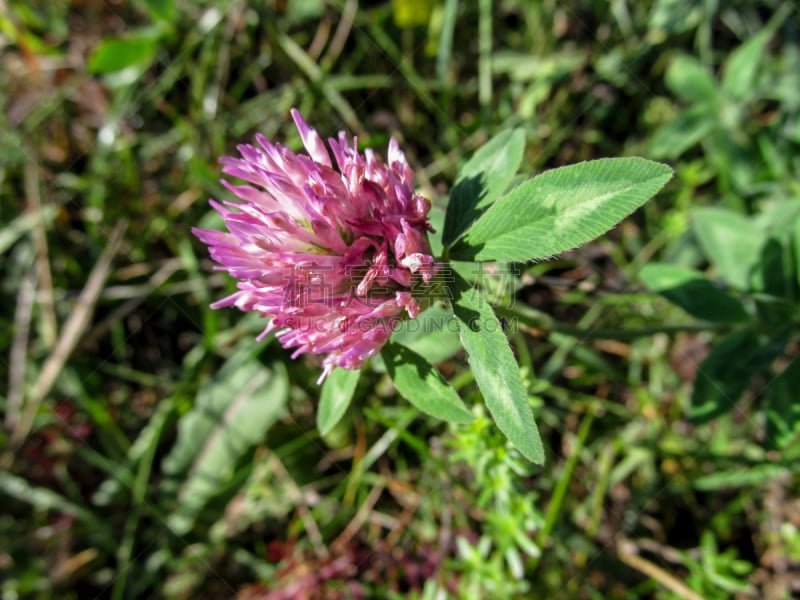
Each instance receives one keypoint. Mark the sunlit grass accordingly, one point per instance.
(125, 470)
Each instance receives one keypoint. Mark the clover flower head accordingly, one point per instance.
(331, 246)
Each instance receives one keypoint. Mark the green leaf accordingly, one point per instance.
(730, 242)
(776, 268)
(780, 215)
(724, 375)
(736, 158)
(422, 385)
(690, 80)
(117, 54)
(740, 477)
(783, 406)
(561, 209)
(496, 370)
(683, 132)
(436, 218)
(481, 181)
(163, 10)
(231, 415)
(670, 17)
(433, 334)
(741, 69)
(337, 393)
(691, 291)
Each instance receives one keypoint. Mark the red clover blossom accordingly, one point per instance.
(331, 254)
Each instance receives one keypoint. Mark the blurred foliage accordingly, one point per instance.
(152, 449)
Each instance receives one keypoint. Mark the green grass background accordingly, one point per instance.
(152, 449)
